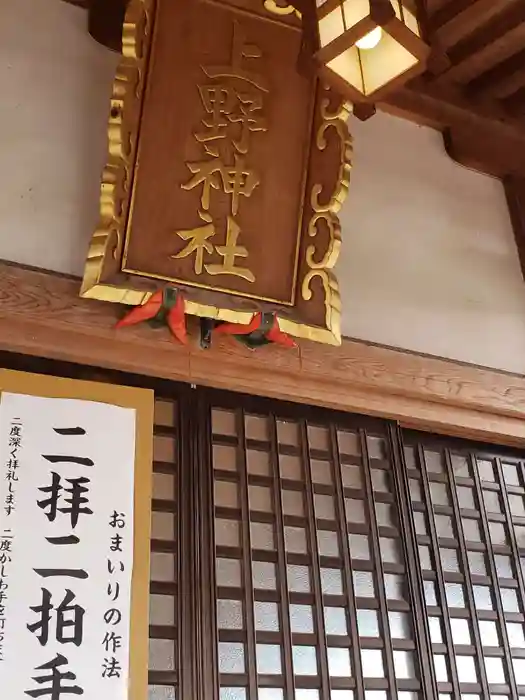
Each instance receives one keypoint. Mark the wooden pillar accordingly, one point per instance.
(515, 193)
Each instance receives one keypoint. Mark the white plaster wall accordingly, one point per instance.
(428, 261)
(55, 84)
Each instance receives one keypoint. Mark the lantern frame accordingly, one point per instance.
(381, 14)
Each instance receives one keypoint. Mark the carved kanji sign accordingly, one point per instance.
(226, 168)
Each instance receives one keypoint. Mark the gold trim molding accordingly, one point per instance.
(106, 248)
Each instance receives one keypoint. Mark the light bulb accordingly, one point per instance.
(370, 40)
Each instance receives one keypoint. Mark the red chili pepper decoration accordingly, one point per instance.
(176, 320)
(275, 335)
(240, 328)
(144, 312)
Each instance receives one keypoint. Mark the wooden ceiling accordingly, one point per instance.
(474, 88)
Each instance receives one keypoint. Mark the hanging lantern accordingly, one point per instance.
(364, 48)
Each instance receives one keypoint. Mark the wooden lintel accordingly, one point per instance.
(42, 315)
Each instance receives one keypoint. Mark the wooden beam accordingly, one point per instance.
(42, 315)
(459, 18)
(515, 193)
(500, 81)
(485, 152)
(488, 44)
(446, 107)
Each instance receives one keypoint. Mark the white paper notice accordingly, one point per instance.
(66, 548)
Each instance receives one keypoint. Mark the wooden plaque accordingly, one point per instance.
(226, 168)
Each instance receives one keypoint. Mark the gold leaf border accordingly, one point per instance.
(327, 212)
(107, 241)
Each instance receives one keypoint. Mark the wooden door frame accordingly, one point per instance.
(42, 315)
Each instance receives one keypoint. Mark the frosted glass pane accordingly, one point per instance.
(270, 693)
(264, 575)
(440, 668)
(519, 670)
(256, 427)
(385, 515)
(228, 572)
(229, 614)
(359, 547)
(339, 662)
(466, 498)
(295, 539)
(376, 447)
(439, 494)
(321, 472)
(482, 597)
(161, 610)
(293, 502)
(351, 475)
(449, 560)
(162, 567)
(288, 433)
(510, 474)
(224, 458)
(460, 631)
(380, 480)
(262, 536)
(232, 693)
(226, 533)
(399, 625)
(503, 566)
(477, 563)
(335, 621)
(258, 462)
(328, 543)
(318, 438)
(298, 578)
(372, 663)
(485, 470)
(301, 619)
(268, 659)
(466, 669)
(488, 633)
(223, 422)
(394, 587)
(348, 443)
(332, 582)
(304, 661)
(164, 412)
(455, 595)
(494, 669)
(163, 488)
(436, 632)
(266, 616)
(509, 600)
(367, 623)
(404, 664)
(162, 526)
(161, 692)
(390, 550)
(161, 655)
(355, 510)
(290, 467)
(430, 593)
(515, 635)
(260, 498)
(324, 507)
(444, 526)
(363, 584)
(434, 461)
